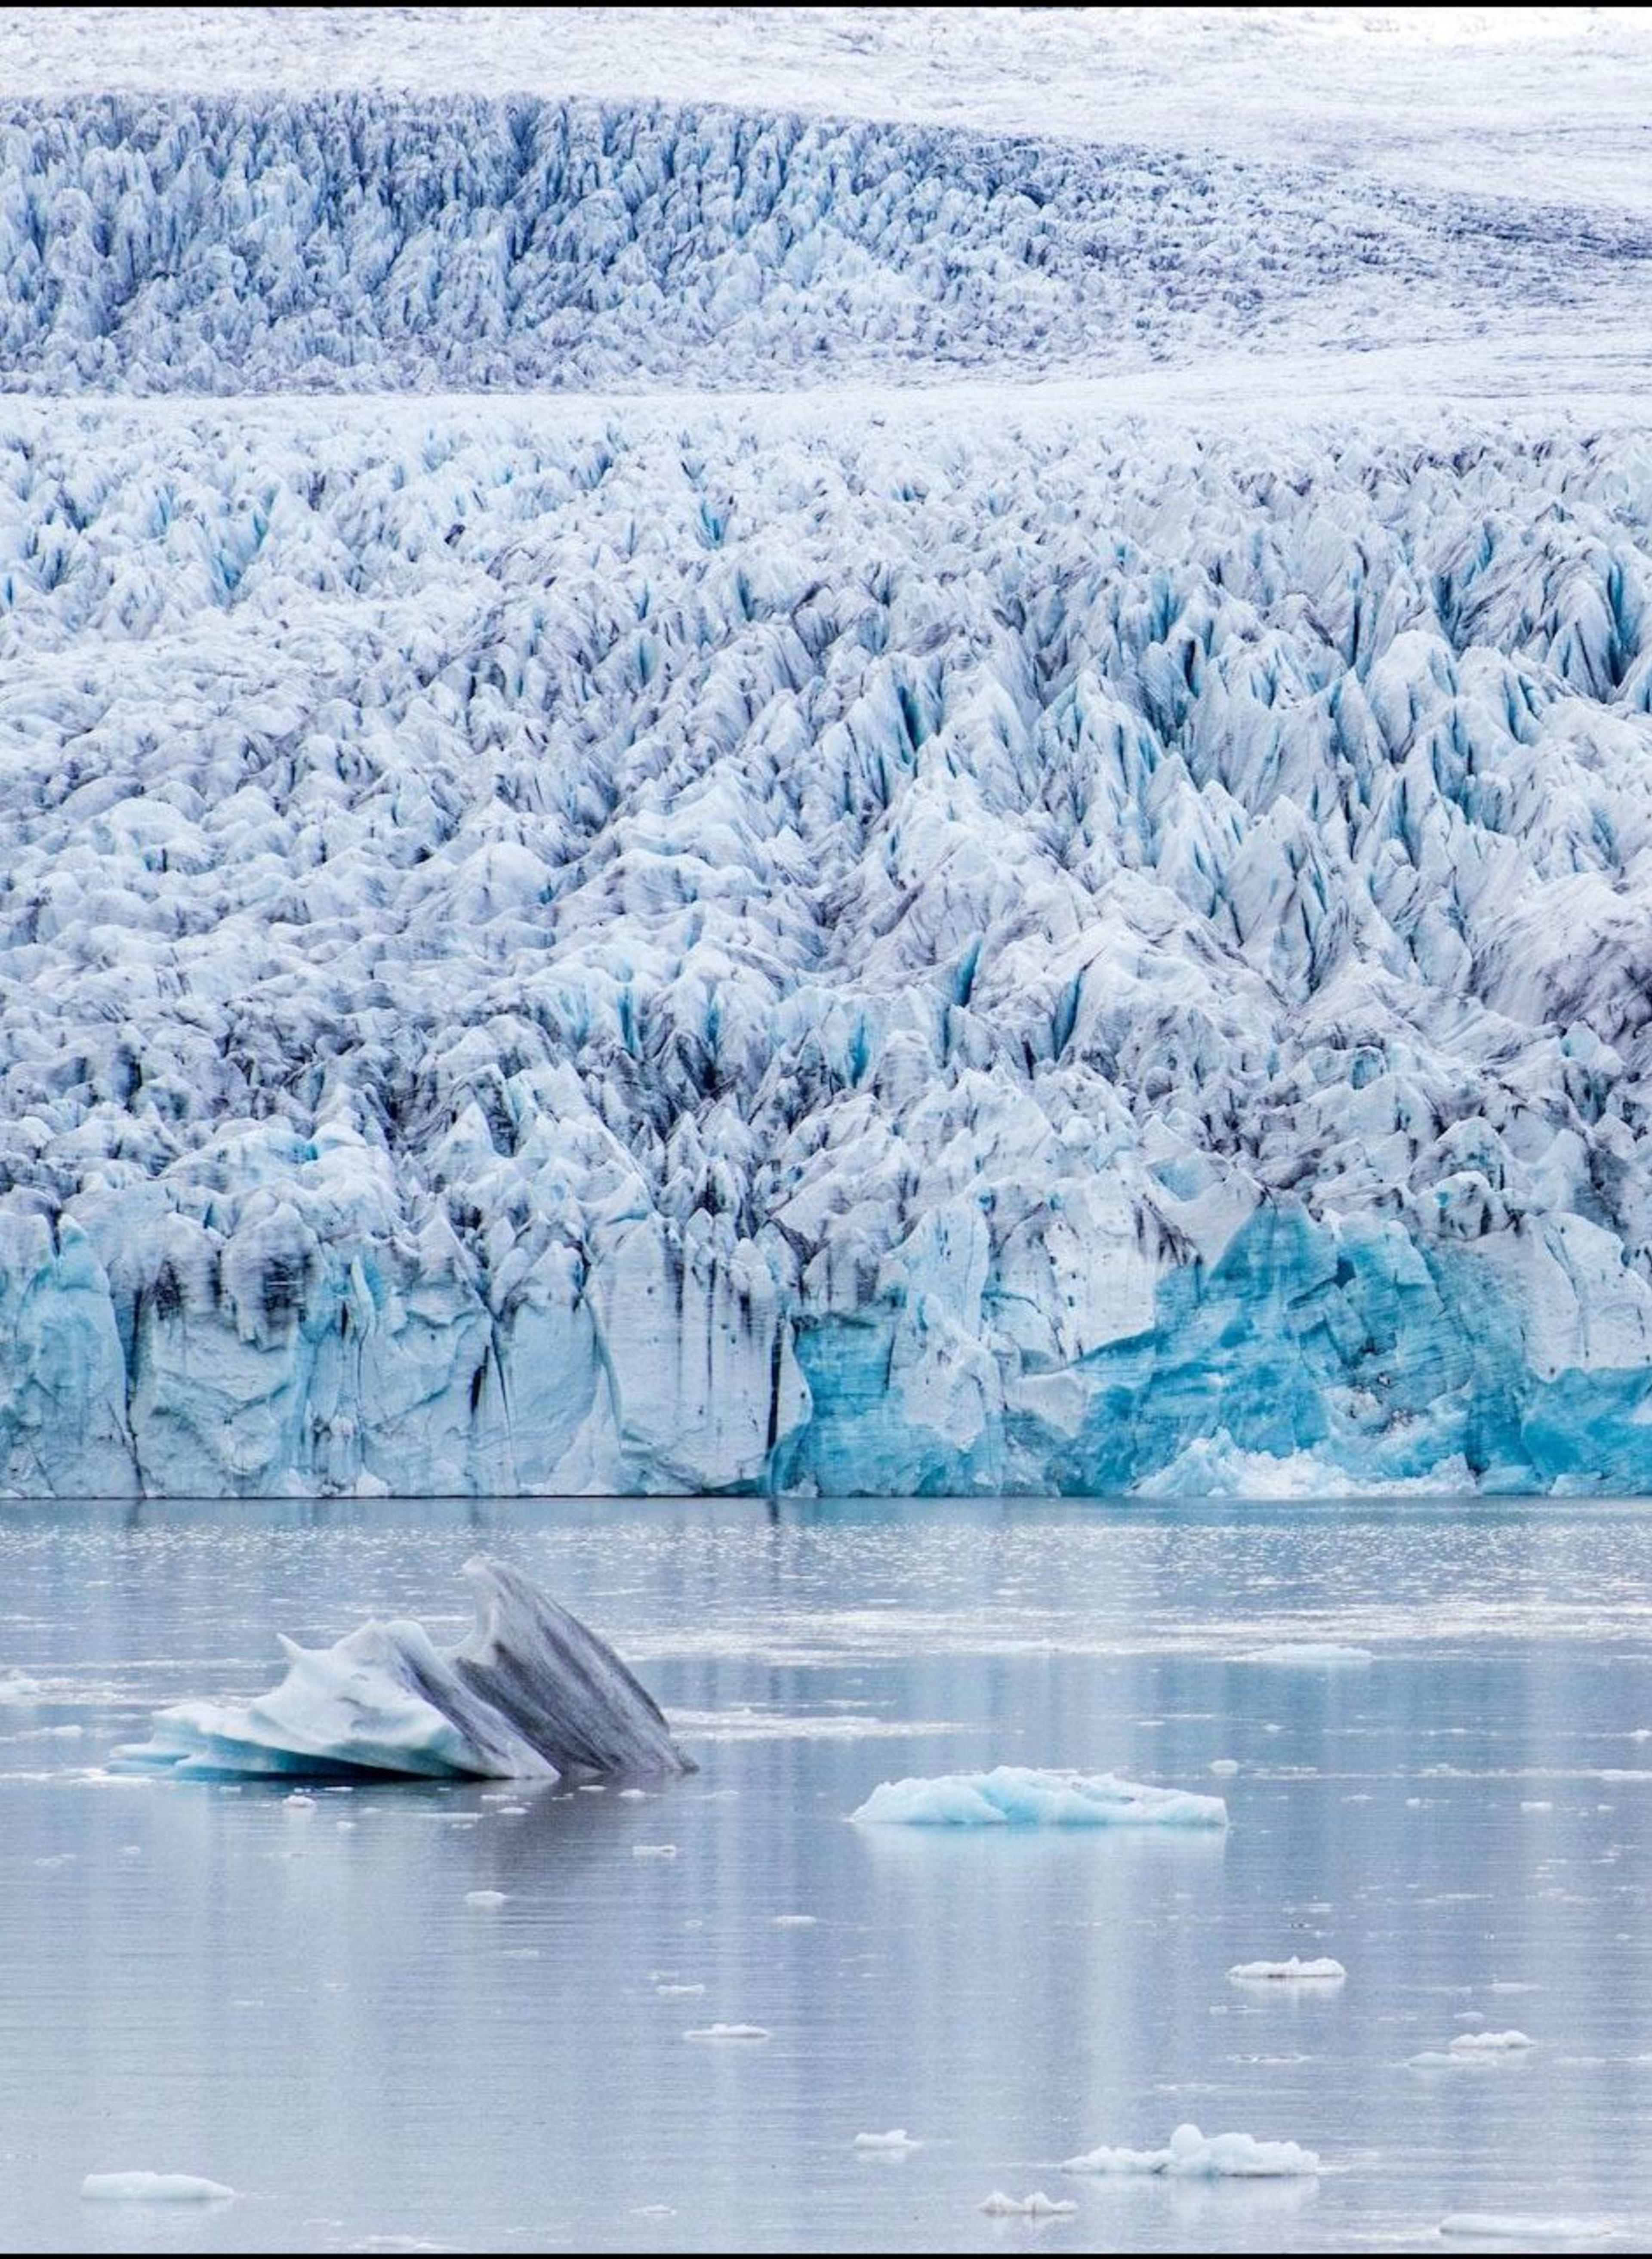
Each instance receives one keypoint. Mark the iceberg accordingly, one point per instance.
(1019, 1795)
(530, 1693)
(153, 2188)
(1193, 2156)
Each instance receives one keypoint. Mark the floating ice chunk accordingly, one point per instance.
(1475, 2047)
(1310, 1655)
(1224, 1768)
(1192, 2156)
(897, 2141)
(653, 1850)
(18, 1692)
(728, 2032)
(1516, 2227)
(530, 1691)
(680, 1991)
(485, 1898)
(793, 1921)
(153, 2188)
(1023, 1797)
(1036, 2206)
(1293, 1972)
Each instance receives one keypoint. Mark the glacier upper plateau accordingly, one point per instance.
(888, 799)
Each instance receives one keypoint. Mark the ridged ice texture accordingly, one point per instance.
(173, 243)
(531, 1693)
(560, 957)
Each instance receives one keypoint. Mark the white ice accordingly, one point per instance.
(1293, 1972)
(1036, 2207)
(1310, 1655)
(1191, 2155)
(152, 2188)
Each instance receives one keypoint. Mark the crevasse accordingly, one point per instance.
(570, 952)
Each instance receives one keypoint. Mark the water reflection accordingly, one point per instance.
(304, 2001)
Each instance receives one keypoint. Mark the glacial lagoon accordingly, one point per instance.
(402, 2016)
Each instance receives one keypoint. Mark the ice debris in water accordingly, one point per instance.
(728, 2032)
(485, 1898)
(530, 1690)
(1310, 1655)
(1022, 1796)
(1036, 2207)
(16, 1691)
(1475, 2047)
(1519, 2228)
(897, 2139)
(1293, 1972)
(153, 2188)
(1191, 2154)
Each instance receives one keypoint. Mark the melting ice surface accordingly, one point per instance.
(531, 1693)
(1010, 1997)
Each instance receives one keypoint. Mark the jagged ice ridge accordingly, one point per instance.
(567, 951)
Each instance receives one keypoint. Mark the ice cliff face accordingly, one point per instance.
(580, 950)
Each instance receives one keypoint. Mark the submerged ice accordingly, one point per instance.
(714, 952)
(530, 1692)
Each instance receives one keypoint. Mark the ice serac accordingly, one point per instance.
(530, 1693)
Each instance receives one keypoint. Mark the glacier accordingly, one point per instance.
(175, 243)
(530, 1693)
(577, 950)
(769, 854)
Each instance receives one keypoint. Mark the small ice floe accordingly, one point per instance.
(728, 2032)
(1023, 1796)
(394, 2243)
(1311, 1655)
(793, 1921)
(1036, 2206)
(680, 1991)
(1293, 1972)
(653, 1850)
(16, 1691)
(485, 1898)
(1224, 1768)
(1475, 2047)
(1516, 2227)
(896, 2142)
(153, 2188)
(1193, 2156)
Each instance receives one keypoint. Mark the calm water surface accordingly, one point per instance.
(300, 2002)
